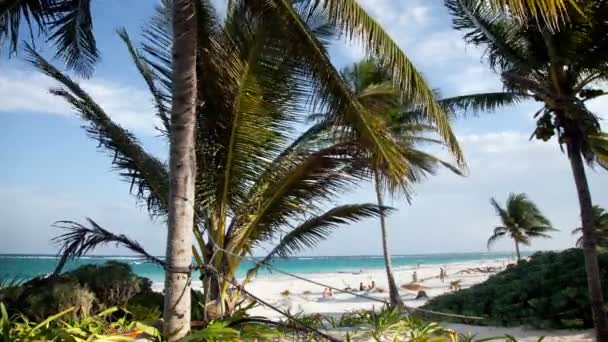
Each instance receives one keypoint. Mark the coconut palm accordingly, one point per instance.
(256, 182)
(563, 70)
(600, 220)
(521, 220)
(371, 83)
(182, 170)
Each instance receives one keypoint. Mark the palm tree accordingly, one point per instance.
(182, 170)
(600, 220)
(256, 182)
(521, 220)
(371, 83)
(563, 70)
(68, 24)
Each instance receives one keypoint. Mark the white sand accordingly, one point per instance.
(269, 288)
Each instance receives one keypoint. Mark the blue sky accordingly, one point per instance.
(52, 171)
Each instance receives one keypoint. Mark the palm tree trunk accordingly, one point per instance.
(589, 242)
(395, 299)
(517, 251)
(182, 172)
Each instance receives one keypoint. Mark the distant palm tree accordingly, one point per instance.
(562, 70)
(371, 82)
(600, 220)
(521, 220)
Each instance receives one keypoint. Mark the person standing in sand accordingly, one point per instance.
(442, 275)
(414, 277)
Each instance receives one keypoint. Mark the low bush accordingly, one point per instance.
(548, 291)
(89, 288)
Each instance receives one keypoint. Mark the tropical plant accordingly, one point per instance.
(370, 81)
(600, 221)
(548, 291)
(548, 66)
(255, 180)
(99, 327)
(520, 220)
(182, 166)
(68, 24)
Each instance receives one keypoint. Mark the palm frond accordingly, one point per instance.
(316, 229)
(358, 25)
(486, 27)
(550, 13)
(80, 240)
(35, 13)
(484, 102)
(161, 101)
(501, 212)
(72, 33)
(498, 233)
(148, 176)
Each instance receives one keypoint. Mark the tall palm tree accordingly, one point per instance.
(563, 70)
(256, 181)
(370, 81)
(600, 220)
(521, 220)
(182, 169)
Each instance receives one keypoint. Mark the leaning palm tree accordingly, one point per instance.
(600, 220)
(563, 70)
(371, 83)
(256, 182)
(521, 220)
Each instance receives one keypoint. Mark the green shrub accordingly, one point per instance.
(90, 288)
(548, 291)
(113, 283)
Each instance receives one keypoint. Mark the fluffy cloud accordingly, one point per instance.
(28, 91)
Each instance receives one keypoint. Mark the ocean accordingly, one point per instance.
(29, 266)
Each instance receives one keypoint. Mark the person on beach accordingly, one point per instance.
(330, 293)
(414, 277)
(441, 275)
(372, 286)
(361, 286)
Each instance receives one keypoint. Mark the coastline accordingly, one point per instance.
(307, 298)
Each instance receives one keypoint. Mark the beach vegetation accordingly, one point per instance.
(549, 291)
(257, 182)
(520, 220)
(370, 81)
(600, 221)
(546, 65)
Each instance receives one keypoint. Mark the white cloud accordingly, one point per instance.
(28, 91)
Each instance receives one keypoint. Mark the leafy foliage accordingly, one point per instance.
(600, 220)
(257, 182)
(87, 289)
(521, 220)
(58, 327)
(67, 23)
(548, 291)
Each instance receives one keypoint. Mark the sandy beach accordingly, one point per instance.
(308, 298)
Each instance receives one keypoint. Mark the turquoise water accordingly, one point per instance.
(28, 266)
